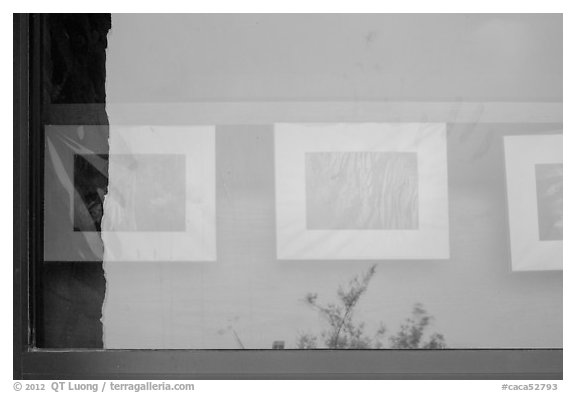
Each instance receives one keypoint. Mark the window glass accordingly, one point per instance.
(302, 181)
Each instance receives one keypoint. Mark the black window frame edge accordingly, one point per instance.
(30, 362)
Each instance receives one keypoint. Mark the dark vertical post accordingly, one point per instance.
(36, 164)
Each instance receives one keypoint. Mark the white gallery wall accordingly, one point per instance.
(164, 65)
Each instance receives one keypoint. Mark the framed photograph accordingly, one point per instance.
(534, 186)
(129, 193)
(361, 191)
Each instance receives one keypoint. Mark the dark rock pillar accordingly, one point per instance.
(73, 93)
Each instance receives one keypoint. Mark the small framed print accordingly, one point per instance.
(361, 191)
(535, 201)
(129, 193)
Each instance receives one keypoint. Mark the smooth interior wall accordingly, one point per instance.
(476, 300)
(400, 57)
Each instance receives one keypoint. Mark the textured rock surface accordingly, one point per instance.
(74, 72)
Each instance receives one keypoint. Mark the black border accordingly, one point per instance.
(20, 191)
(31, 363)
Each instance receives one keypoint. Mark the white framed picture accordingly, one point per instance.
(534, 187)
(144, 193)
(361, 191)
